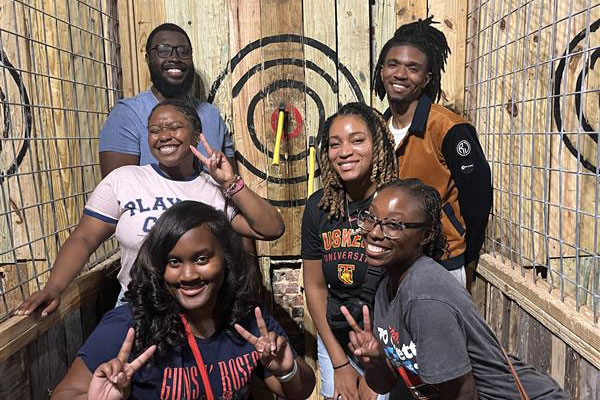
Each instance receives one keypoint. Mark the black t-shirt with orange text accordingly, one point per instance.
(337, 243)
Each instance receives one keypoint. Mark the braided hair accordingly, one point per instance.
(384, 167)
(431, 41)
(429, 200)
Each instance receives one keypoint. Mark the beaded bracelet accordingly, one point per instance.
(234, 187)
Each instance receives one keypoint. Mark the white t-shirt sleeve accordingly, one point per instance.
(103, 203)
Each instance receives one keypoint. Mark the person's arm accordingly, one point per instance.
(301, 385)
(471, 173)
(110, 160)
(461, 388)
(85, 239)
(110, 381)
(345, 378)
(257, 218)
(75, 384)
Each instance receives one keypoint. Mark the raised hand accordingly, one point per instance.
(45, 297)
(275, 353)
(363, 343)
(112, 380)
(217, 164)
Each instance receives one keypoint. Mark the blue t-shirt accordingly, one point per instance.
(230, 363)
(126, 128)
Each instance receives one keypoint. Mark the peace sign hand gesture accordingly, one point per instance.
(275, 353)
(217, 164)
(363, 343)
(112, 380)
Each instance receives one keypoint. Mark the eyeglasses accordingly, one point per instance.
(166, 50)
(390, 228)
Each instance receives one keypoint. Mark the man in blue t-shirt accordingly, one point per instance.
(123, 138)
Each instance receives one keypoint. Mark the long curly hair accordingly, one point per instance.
(384, 168)
(155, 310)
(431, 206)
(431, 41)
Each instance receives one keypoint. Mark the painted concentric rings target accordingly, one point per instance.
(571, 117)
(15, 115)
(284, 84)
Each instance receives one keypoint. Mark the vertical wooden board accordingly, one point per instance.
(472, 62)
(15, 381)
(523, 333)
(89, 317)
(478, 295)
(495, 310)
(284, 18)
(558, 362)
(383, 26)
(73, 334)
(38, 364)
(539, 346)
(319, 17)
(513, 332)
(148, 14)
(57, 355)
(127, 47)
(354, 50)
(245, 28)
(571, 374)
(567, 188)
(531, 189)
(452, 16)
(588, 380)
(410, 10)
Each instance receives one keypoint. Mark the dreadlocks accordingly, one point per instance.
(431, 41)
(384, 167)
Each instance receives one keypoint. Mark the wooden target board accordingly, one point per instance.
(311, 55)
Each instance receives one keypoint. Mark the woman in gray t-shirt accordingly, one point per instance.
(427, 330)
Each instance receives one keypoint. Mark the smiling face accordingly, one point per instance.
(405, 73)
(172, 76)
(351, 149)
(170, 134)
(195, 270)
(396, 204)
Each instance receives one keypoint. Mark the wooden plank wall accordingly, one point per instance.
(34, 356)
(545, 197)
(60, 103)
(522, 334)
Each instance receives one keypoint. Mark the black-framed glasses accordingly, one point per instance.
(166, 50)
(391, 228)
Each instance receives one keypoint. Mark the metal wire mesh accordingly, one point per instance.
(533, 90)
(59, 76)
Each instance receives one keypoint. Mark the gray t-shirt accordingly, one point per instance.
(126, 128)
(433, 331)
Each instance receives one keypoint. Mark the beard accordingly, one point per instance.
(168, 89)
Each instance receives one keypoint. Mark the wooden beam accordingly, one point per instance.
(575, 328)
(18, 332)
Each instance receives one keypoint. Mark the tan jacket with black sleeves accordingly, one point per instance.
(442, 149)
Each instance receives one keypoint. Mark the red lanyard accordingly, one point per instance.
(198, 357)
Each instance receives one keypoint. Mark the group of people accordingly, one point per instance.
(389, 246)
